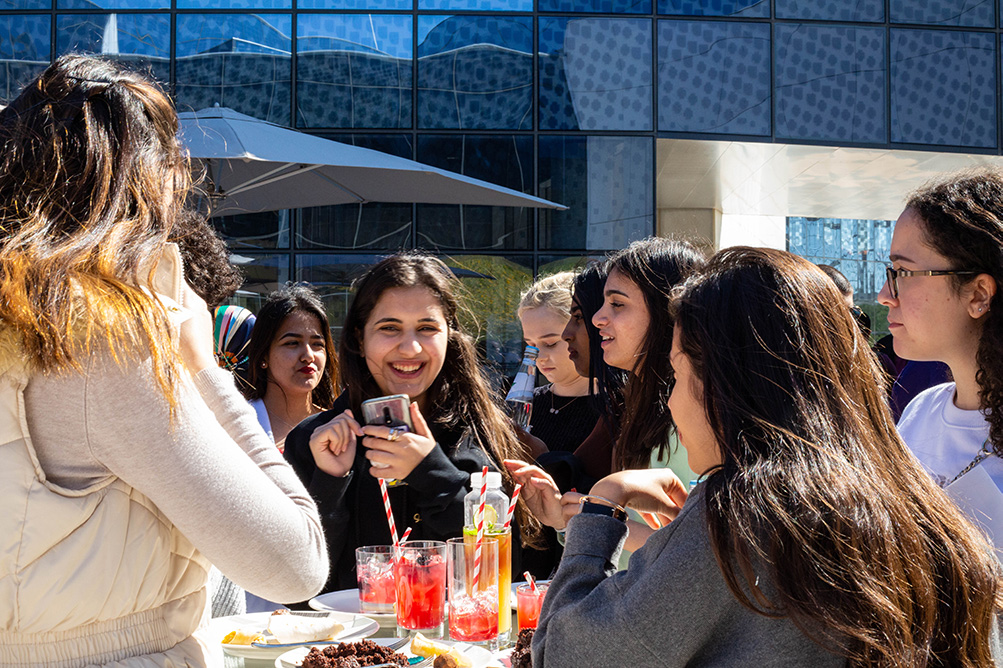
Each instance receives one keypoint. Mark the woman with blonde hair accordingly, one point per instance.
(128, 460)
(562, 414)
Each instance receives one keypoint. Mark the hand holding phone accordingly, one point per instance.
(397, 438)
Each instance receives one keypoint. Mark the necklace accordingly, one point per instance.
(554, 410)
(983, 452)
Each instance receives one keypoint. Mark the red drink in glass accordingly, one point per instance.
(528, 604)
(375, 570)
(474, 618)
(421, 587)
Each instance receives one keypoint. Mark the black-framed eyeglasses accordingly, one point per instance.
(892, 275)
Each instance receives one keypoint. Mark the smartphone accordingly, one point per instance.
(390, 411)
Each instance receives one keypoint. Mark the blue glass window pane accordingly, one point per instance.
(142, 40)
(371, 5)
(475, 72)
(714, 77)
(113, 4)
(370, 226)
(266, 229)
(830, 83)
(263, 274)
(354, 71)
(477, 5)
(24, 52)
(506, 161)
(595, 74)
(235, 4)
(607, 182)
(745, 8)
(972, 13)
(831, 10)
(25, 4)
(943, 88)
(597, 6)
(241, 61)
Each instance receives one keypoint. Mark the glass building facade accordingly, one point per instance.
(564, 99)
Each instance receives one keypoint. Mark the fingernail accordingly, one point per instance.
(574, 489)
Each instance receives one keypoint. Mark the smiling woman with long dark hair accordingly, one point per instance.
(815, 538)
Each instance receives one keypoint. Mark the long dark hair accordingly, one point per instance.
(963, 221)
(459, 397)
(279, 306)
(605, 382)
(656, 266)
(818, 511)
(92, 178)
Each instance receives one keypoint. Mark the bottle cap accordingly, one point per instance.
(494, 480)
(531, 352)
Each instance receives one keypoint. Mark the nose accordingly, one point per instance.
(409, 345)
(885, 296)
(601, 317)
(568, 334)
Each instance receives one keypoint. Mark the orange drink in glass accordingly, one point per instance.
(504, 537)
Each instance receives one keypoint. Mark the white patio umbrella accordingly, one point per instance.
(254, 165)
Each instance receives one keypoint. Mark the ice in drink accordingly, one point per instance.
(375, 571)
(528, 603)
(504, 538)
(473, 591)
(474, 618)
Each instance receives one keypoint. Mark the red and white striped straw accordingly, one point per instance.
(390, 514)
(531, 580)
(407, 532)
(511, 506)
(480, 527)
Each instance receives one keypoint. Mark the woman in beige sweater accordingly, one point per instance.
(128, 460)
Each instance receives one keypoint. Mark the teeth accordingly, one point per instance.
(607, 338)
(406, 368)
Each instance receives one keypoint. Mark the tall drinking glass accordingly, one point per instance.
(504, 537)
(421, 588)
(529, 600)
(375, 570)
(473, 593)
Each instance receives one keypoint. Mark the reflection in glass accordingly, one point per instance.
(370, 226)
(597, 6)
(595, 74)
(263, 274)
(492, 287)
(24, 52)
(353, 71)
(973, 13)
(241, 61)
(714, 76)
(606, 181)
(25, 4)
(331, 276)
(266, 230)
(858, 248)
(140, 40)
(477, 5)
(110, 4)
(371, 5)
(841, 65)
(831, 10)
(748, 8)
(475, 72)
(943, 87)
(235, 4)
(506, 161)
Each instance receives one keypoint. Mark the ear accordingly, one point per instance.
(983, 289)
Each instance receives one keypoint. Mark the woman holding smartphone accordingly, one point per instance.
(401, 336)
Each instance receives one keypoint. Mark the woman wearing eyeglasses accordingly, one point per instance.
(947, 264)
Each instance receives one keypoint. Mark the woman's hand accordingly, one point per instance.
(397, 458)
(539, 491)
(196, 341)
(333, 444)
(657, 494)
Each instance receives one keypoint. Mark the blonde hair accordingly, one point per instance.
(553, 292)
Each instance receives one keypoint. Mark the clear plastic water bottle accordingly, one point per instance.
(520, 396)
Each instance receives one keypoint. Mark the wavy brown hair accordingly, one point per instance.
(91, 180)
(280, 305)
(962, 218)
(656, 266)
(818, 511)
(459, 396)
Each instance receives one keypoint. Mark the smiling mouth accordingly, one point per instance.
(411, 369)
(606, 339)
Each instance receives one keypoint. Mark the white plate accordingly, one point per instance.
(512, 601)
(357, 627)
(347, 600)
(480, 657)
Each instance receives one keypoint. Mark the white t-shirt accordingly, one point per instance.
(944, 437)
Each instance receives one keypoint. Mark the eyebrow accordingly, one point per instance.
(616, 292)
(399, 321)
(895, 257)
